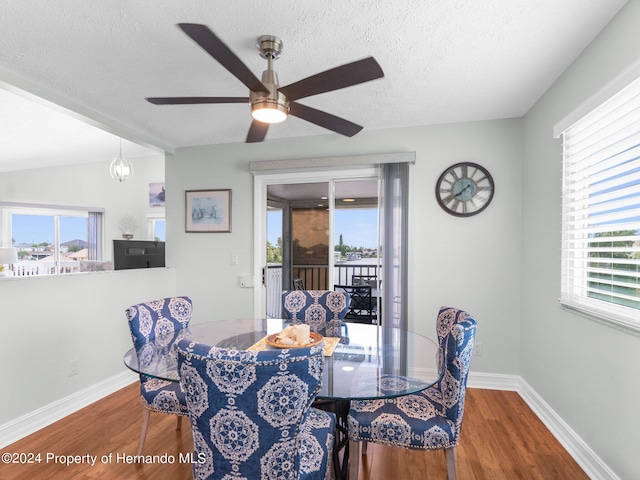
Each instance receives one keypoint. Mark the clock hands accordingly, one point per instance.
(463, 190)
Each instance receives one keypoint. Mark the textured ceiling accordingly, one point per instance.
(444, 61)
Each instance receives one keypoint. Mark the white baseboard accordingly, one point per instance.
(494, 381)
(584, 456)
(33, 421)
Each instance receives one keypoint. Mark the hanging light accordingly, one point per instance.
(120, 168)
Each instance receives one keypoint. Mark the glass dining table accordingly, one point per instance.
(367, 362)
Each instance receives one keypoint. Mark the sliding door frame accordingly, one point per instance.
(261, 182)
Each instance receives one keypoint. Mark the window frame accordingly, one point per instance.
(13, 208)
(575, 268)
(152, 219)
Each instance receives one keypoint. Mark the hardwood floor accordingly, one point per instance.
(501, 439)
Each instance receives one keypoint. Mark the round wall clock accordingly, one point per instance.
(464, 189)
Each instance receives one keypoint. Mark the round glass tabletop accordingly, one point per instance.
(366, 362)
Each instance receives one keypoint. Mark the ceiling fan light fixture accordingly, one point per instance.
(268, 111)
(271, 107)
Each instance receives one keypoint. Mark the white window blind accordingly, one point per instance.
(601, 211)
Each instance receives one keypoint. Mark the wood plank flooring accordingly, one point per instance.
(501, 439)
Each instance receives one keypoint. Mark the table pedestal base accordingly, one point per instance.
(343, 469)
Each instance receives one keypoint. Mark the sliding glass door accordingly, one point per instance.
(307, 231)
(316, 234)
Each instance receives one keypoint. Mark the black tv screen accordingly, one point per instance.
(129, 254)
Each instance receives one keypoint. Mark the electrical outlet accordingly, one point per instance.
(477, 349)
(72, 368)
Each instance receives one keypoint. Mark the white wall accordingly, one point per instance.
(47, 321)
(471, 263)
(589, 373)
(89, 185)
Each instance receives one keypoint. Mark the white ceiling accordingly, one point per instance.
(34, 134)
(444, 61)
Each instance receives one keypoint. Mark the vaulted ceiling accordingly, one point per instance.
(459, 60)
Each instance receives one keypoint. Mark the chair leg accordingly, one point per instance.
(146, 413)
(335, 459)
(179, 422)
(452, 462)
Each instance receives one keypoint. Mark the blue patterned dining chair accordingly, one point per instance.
(431, 419)
(251, 414)
(155, 327)
(322, 310)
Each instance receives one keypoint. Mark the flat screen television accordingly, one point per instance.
(129, 254)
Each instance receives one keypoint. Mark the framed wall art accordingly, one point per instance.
(207, 211)
(156, 194)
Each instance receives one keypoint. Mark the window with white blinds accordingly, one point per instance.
(601, 211)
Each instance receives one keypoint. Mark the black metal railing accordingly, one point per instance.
(315, 277)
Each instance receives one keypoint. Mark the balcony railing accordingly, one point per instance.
(39, 267)
(273, 279)
(315, 278)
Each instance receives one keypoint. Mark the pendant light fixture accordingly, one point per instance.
(120, 168)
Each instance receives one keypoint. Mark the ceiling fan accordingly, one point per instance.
(271, 103)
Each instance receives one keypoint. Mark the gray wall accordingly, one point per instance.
(589, 373)
(471, 263)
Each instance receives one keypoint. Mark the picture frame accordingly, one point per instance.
(208, 211)
(156, 194)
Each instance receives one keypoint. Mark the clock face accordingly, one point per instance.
(464, 189)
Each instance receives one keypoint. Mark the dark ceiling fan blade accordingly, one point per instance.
(257, 131)
(334, 79)
(195, 100)
(203, 36)
(324, 119)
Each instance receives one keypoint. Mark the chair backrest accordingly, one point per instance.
(322, 310)
(155, 326)
(362, 304)
(298, 283)
(456, 331)
(248, 408)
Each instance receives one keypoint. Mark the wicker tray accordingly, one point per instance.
(316, 338)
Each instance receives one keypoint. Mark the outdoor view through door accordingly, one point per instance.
(301, 253)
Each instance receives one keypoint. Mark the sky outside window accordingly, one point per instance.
(32, 229)
(359, 227)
